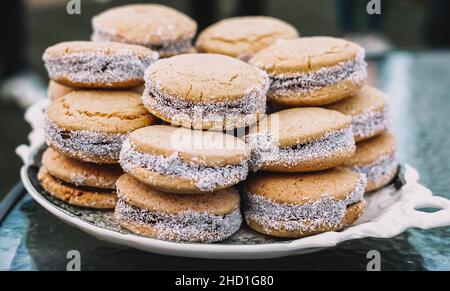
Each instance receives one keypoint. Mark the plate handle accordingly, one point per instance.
(427, 220)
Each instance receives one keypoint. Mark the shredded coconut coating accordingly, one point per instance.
(369, 123)
(164, 48)
(187, 226)
(354, 71)
(99, 68)
(205, 178)
(378, 170)
(78, 178)
(306, 217)
(224, 114)
(82, 143)
(265, 149)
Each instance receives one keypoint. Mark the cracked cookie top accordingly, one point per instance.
(100, 111)
(142, 196)
(301, 125)
(304, 188)
(207, 148)
(368, 99)
(306, 54)
(207, 78)
(80, 173)
(244, 36)
(104, 48)
(145, 23)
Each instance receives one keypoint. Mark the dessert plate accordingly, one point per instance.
(390, 211)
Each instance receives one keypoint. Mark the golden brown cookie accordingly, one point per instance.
(180, 160)
(301, 140)
(98, 65)
(56, 90)
(91, 125)
(242, 37)
(369, 112)
(375, 158)
(79, 173)
(78, 196)
(312, 71)
(207, 217)
(205, 91)
(158, 27)
(297, 205)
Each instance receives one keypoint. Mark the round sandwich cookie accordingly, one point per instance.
(242, 37)
(369, 112)
(301, 140)
(207, 217)
(91, 125)
(158, 27)
(312, 71)
(98, 65)
(375, 158)
(78, 183)
(303, 204)
(181, 160)
(205, 91)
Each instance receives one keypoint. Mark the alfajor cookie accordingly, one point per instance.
(78, 183)
(297, 205)
(91, 125)
(369, 112)
(242, 37)
(98, 65)
(207, 217)
(205, 91)
(158, 27)
(181, 160)
(312, 71)
(375, 158)
(301, 140)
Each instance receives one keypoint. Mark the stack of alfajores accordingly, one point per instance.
(165, 142)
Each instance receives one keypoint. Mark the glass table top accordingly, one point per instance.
(419, 87)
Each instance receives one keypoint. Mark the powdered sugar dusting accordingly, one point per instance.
(354, 71)
(97, 67)
(369, 123)
(86, 145)
(377, 171)
(187, 226)
(265, 150)
(205, 178)
(306, 217)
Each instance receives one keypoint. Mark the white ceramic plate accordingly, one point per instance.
(390, 211)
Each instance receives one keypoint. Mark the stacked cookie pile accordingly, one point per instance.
(94, 106)
(95, 90)
(168, 156)
(317, 175)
